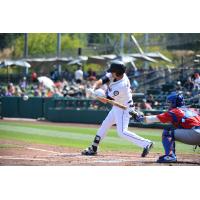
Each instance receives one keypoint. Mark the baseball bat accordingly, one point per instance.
(112, 102)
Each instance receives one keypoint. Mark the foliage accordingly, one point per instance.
(42, 44)
(45, 44)
(7, 39)
(97, 68)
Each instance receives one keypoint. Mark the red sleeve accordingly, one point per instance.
(165, 117)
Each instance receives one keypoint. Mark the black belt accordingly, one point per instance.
(108, 97)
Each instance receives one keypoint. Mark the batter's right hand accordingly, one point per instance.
(102, 99)
(138, 117)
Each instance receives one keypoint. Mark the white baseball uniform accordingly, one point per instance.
(121, 92)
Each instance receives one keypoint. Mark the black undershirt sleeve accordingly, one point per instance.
(105, 79)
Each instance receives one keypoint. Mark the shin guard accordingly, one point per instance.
(168, 141)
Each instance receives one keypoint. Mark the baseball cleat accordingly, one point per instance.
(167, 159)
(89, 152)
(147, 149)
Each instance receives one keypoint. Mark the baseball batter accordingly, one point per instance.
(185, 126)
(118, 89)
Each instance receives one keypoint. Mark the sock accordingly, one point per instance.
(96, 142)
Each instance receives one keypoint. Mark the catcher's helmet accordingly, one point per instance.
(117, 67)
(176, 100)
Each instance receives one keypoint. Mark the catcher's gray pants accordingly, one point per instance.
(188, 136)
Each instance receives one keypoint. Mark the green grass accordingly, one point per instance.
(79, 137)
(8, 146)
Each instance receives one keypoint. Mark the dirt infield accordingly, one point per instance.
(17, 153)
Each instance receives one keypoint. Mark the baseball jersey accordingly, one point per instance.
(180, 117)
(119, 90)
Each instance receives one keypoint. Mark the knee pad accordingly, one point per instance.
(169, 133)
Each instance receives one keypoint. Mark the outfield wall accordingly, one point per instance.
(61, 110)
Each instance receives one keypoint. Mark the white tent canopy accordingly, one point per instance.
(21, 63)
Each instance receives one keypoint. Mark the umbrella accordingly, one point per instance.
(158, 55)
(97, 60)
(48, 61)
(79, 61)
(142, 57)
(48, 83)
(7, 63)
(21, 63)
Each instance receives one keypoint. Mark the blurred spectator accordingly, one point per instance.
(37, 92)
(91, 75)
(23, 84)
(42, 89)
(10, 90)
(18, 92)
(137, 106)
(145, 106)
(134, 84)
(151, 100)
(178, 86)
(49, 93)
(58, 84)
(68, 75)
(34, 77)
(79, 75)
(197, 81)
(54, 74)
(189, 84)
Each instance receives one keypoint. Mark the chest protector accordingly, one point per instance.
(182, 117)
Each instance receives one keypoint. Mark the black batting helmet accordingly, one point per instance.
(117, 67)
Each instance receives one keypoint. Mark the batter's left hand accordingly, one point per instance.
(138, 117)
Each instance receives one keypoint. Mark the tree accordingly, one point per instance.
(44, 44)
(7, 39)
(183, 41)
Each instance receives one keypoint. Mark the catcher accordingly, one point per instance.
(185, 126)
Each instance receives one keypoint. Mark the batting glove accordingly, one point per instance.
(138, 117)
